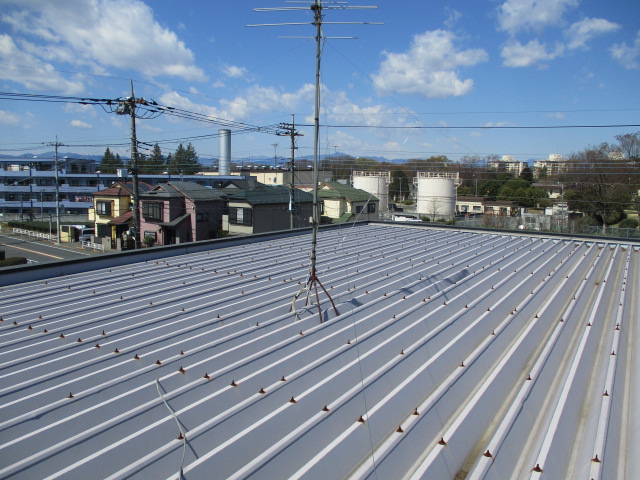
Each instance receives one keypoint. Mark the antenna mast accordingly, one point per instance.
(316, 7)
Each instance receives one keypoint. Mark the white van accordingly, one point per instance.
(86, 233)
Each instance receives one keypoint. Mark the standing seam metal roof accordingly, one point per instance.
(463, 354)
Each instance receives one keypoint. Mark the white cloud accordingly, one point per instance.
(452, 17)
(80, 124)
(515, 54)
(8, 119)
(429, 68)
(233, 71)
(116, 33)
(581, 32)
(517, 15)
(556, 115)
(35, 74)
(628, 56)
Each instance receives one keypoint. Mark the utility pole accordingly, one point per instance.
(290, 131)
(57, 144)
(128, 106)
(275, 154)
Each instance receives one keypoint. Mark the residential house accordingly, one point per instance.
(477, 205)
(343, 203)
(112, 212)
(265, 209)
(178, 212)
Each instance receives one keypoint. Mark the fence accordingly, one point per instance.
(93, 246)
(40, 235)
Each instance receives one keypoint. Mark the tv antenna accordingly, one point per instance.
(317, 7)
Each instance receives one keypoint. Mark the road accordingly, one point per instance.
(40, 251)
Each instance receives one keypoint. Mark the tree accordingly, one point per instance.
(518, 190)
(526, 174)
(184, 161)
(629, 145)
(598, 184)
(399, 186)
(110, 162)
(153, 163)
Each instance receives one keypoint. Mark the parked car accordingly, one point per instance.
(395, 208)
(86, 234)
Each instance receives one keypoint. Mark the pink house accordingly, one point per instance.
(179, 212)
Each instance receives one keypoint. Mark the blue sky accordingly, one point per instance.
(432, 64)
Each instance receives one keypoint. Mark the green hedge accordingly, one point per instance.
(13, 261)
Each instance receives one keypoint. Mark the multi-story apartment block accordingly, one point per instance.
(549, 167)
(508, 164)
(28, 185)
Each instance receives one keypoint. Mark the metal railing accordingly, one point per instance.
(93, 246)
(40, 235)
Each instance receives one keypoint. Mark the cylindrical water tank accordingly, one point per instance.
(437, 194)
(375, 183)
(224, 158)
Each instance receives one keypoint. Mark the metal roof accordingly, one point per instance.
(455, 354)
(340, 190)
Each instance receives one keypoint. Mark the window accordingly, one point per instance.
(152, 210)
(371, 207)
(240, 216)
(103, 208)
(359, 208)
(202, 217)
(149, 233)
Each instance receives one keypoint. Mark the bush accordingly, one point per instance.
(13, 261)
(424, 218)
(407, 202)
(628, 223)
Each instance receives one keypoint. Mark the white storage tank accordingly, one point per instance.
(437, 193)
(375, 183)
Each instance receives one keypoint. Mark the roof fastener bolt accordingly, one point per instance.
(103, 333)
(15, 322)
(361, 420)
(79, 340)
(293, 400)
(528, 377)
(325, 409)
(442, 442)
(613, 352)
(207, 376)
(537, 468)
(180, 437)
(116, 351)
(182, 370)
(233, 383)
(399, 429)
(348, 342)
(262, 391)
(283, 379)
(70, 395)
(595, 459)
(136, 357)
(61, 335)
(487, 454)
(181, 352)
(29, 327)
(462, 364)
(158, 362)
(415, 412)
(98, 345)
(301, 333)
(606, 393)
